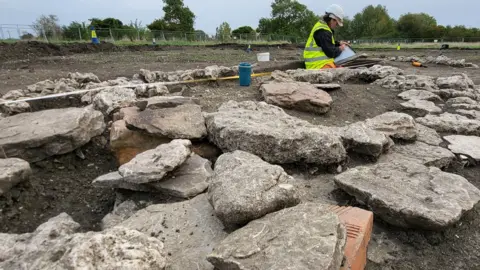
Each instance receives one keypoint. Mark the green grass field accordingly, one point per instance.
(386, 46)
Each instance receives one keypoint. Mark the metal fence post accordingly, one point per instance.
(1, 33)
(44, 34)
(111, 35)
(18, 31)
(80, 33)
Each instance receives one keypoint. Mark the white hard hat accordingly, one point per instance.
(337, 12)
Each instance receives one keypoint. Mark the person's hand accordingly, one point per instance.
(342, 47)
(344, 43)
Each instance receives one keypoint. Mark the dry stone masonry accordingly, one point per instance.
(56, 244)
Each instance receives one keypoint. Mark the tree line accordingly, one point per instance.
(289, 18)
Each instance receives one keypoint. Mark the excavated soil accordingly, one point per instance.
(63, 184)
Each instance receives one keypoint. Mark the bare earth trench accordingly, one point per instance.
(63, 184)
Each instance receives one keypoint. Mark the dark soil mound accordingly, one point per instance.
(34, 49)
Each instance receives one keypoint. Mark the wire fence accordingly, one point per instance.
(28, 32)
(14, 32)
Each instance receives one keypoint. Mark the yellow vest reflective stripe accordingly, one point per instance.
(313, 55)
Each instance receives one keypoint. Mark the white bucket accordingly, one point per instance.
(263, 57)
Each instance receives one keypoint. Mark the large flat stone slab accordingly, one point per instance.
(57, 245)
(12, 172)
(420, 108)
(393, 124)
(180, 122)
(244, 188)
(451, 123)
(298, 96)
(410, 195)
(307, 236)
(268, 132)
(361, 139)
(464, 145)
(428, 135)
(36, 136)
(458, 82)
(421, 153)
(153, 165)
(189, 230)
(414, 94)
(400, 82)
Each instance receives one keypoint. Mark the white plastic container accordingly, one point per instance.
(263, 57)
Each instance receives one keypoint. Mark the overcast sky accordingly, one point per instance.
(211, 13)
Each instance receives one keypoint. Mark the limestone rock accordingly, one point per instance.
(148, 76)
(452, 93)
(36, 136)
(55, 245)
(393, 124)
(12, 172)
(281, 76)
(181, 122)
(268, 132)
(451, 123)
(157, 90)
(400, 82)
(188, 229)
(298, 96)
(244, 188)
(127, 143)
(120, 213)
(475, 107)
(155, 103)
(411, 195)
(378, 72)
(464, 145)
(153, 165)
(189, 180)
(13, 95)
(461, 100)
(323, 75)
(419, 95)
(364, 140)
(84, 77)
(469, 113)
(421, 153)
(110, 100)
(15, 108)
(302, 237)
(43, 86)
(421, 108)
(457, 82)
(116, 180)
(428, 135)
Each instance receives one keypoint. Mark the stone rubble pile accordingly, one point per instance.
(326, 76)
(439, 60)
(241, 209)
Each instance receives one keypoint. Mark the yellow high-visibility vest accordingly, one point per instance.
(94, 34)
(314, 56)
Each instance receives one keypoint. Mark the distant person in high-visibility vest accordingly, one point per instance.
(321, 48)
